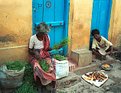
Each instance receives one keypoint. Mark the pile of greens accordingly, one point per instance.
(28, 85)
(61, 44)
(15, 65)
(59, 57)
(44, 65)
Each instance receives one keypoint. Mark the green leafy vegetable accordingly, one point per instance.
(28, 85)
(56, 46)
(45, 66)
(59, 57)
(15, 65)
(61, 44)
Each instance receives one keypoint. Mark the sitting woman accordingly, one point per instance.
(101, 46)
(39, 46)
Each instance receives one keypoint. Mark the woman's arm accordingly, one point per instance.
(31, 49)
(34, 53)
(31, 52)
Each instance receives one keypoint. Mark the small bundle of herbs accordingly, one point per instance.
(59, 57)
(44, 65)
(61, 44)
(27, 88)
(15, 65)
(28, 85)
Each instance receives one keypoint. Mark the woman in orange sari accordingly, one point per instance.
(39, 46)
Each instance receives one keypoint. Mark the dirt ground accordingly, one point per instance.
(112, 85)
(78, 85)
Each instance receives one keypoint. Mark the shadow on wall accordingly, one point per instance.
(7, 38)
(14, 37)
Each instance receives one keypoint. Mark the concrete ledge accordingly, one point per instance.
(92, 67)
(13, 53)
(82, 57)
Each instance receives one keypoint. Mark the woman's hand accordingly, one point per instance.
(31, 52)
(37, 55)
(49, 49)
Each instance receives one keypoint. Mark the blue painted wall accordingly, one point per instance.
(101, 16)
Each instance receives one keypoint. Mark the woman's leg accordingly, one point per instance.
(41, 88)
(53, 87)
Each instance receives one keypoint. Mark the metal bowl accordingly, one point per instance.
(106, 66)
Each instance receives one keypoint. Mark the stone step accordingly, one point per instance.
(68, 81)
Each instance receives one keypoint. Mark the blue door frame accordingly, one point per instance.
(101, 17)
(56, 14)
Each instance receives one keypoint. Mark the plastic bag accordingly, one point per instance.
(10, 78)
(62, 68)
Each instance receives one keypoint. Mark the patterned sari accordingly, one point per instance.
(45, 77)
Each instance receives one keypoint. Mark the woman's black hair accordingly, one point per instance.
(37, 27)
(42, 27)
(95, 31)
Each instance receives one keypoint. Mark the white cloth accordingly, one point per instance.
(35, 43)
(104, 42)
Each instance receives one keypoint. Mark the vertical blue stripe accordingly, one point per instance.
(101, 17)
